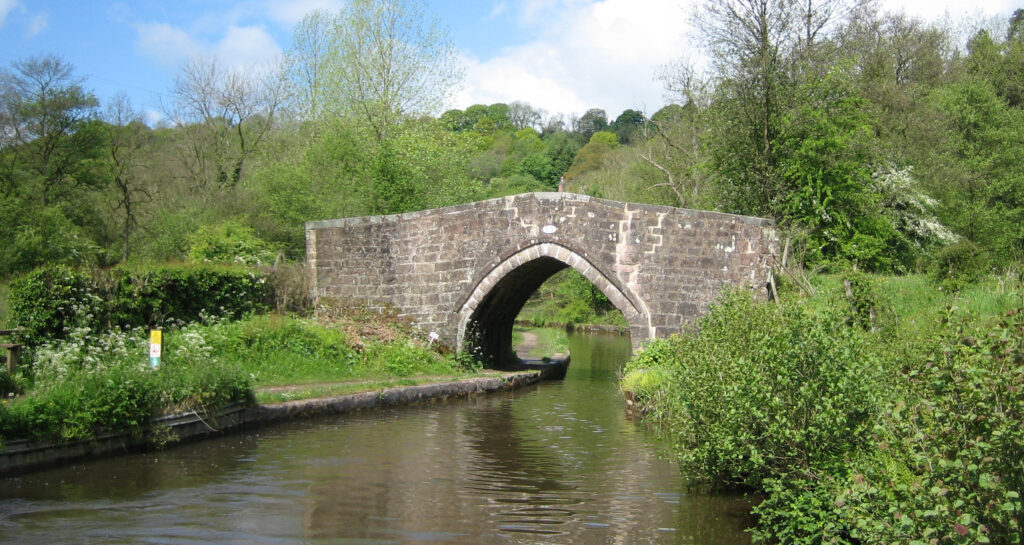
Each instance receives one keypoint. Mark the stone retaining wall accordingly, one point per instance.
(22, 456)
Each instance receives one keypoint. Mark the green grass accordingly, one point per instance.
(550, 341)
(279, 350)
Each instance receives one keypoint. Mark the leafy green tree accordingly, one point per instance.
(521, 115)
(45, 130)
(593, 120)
(983, 185)
(627, 125)
(127, 138)
(589, 158)
(607, 138)
(560, 149)
(388, 64)
(538, 166)
(827, 152)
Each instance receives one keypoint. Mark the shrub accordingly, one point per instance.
(958, 265)
(185, 293)
(770, 398)
(10, 385)
(51, 302)
(48, 302)
(948, 466)
(759, 391)
(230, 242)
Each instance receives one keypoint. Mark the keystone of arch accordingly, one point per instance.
(632, 308)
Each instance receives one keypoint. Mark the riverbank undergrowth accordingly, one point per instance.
(880, 410)
(95, 382)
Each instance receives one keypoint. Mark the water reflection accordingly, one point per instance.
(558, 463)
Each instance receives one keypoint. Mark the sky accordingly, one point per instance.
(562, 56)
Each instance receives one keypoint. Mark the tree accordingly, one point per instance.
(308, 66)
(127, 139)
(44, 127)
(522, 115)
(750, 42)
(223, 116)
(762, 50)
(593, 120)
(627, 124)
(388, 65)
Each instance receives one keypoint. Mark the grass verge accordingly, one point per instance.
(97, 382)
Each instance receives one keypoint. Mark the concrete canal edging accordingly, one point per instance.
(24, 456)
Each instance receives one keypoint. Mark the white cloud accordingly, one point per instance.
(6, 6)
(168, 45)
(240, 47)
(243, 47)
(595, 54)
(38, 23)
(290, 12)
(153, 118)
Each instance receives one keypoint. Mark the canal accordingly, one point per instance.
(555, 463)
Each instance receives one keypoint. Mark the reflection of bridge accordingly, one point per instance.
(464, 272)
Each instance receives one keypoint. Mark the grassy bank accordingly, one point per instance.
(889, 411)
(93, 382)
(544, 342)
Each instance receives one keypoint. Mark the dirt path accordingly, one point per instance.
(528, 345)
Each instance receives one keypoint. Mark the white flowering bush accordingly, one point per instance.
(910, 207)
(93, 383)
(85, 351)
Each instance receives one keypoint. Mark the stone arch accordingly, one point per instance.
(492, 304)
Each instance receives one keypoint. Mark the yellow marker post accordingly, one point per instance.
(155, 342)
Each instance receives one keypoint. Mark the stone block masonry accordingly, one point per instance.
(464, 272)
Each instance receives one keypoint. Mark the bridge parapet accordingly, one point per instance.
(465, 271)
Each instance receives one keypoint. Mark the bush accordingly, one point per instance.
(958, 265)
(767, 398)
(760, 391)
(151, 296)
(230, 242)
(50, 302)
(10, 385)
(97, 383)
(948, 466)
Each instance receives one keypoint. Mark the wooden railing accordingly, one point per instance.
(13, 349)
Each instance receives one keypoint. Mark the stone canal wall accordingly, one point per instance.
(21, 456)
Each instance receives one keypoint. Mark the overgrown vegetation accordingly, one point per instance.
(88, 373)
(864, 414)
(52, 301)
(568, 299)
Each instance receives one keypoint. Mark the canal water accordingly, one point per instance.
(555, 463)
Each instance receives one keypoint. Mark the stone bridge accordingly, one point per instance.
(464, 272)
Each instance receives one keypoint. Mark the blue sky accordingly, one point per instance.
(563, 56)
